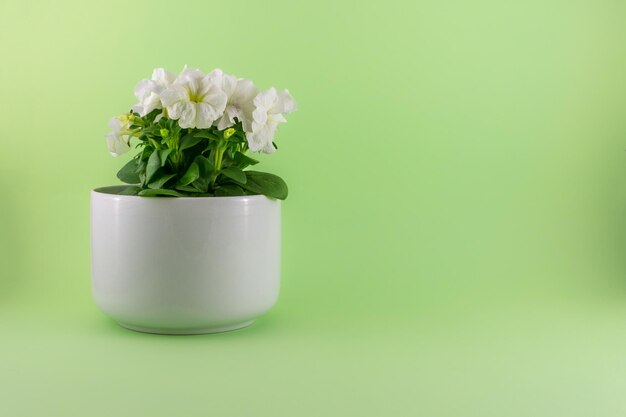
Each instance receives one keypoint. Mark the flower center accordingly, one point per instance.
(195, 97)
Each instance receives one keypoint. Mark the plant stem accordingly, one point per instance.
(217, 162)
(176, 158)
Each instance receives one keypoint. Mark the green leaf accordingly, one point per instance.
(235, 174)
(211, 145)
(205, 165)
(187, 188)
(154, 163)
(128, 173)
(160, 181)
(154, 143)
(163, 154)
(229, 190)
(162, 192)
(192, 174)
(243, 161)
(267, 184)
(201, 184)
(206, 169)
(188, 141)
(134, 190)
(206, 134)
(146, 152)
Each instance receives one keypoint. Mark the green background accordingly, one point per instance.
(454, 237)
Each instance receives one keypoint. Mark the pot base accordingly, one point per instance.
(206, 330)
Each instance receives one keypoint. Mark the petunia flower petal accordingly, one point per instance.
(284, 103)
(163, 77)
(174, 94)
(185, 112)
(206, 114)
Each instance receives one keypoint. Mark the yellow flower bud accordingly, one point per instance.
(229, 132)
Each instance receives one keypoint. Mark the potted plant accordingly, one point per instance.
(192, 243)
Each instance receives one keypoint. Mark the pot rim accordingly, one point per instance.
(102, 191)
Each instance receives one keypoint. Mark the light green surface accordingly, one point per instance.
(454, 237)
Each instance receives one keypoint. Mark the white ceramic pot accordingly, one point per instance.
(184, 265)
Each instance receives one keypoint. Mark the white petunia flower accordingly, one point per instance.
(118, 139)
(240, 93)
(148, 92)
(194, 99)
(267, 115)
